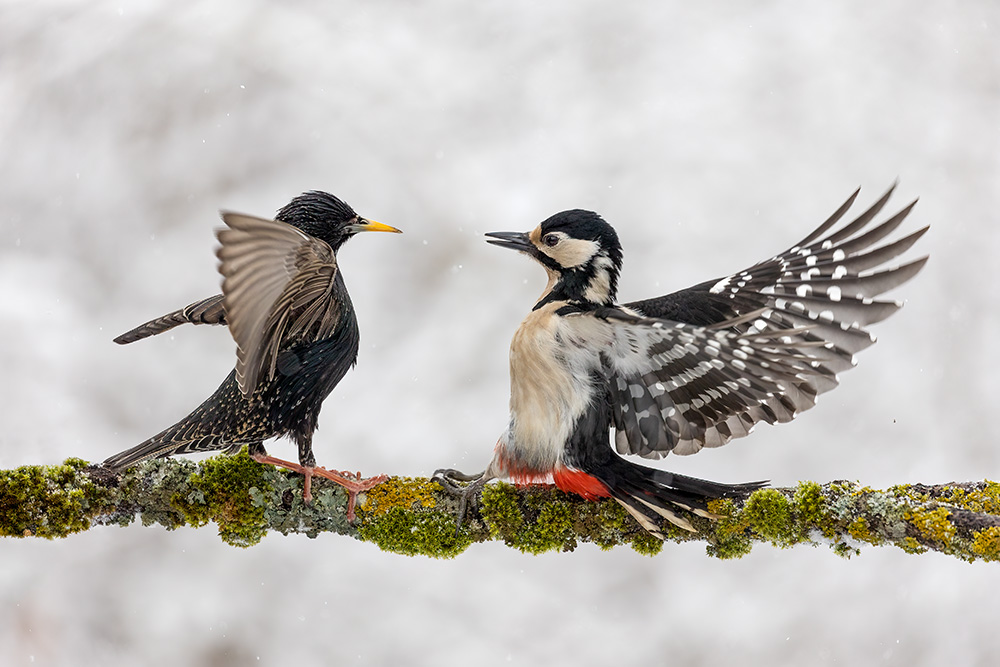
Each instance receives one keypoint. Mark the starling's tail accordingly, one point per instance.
(206, 311)
(650, 494)
(220, 422)
(150, 449)
(167, 443)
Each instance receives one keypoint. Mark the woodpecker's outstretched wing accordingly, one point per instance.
(278, 288)
(827, 281)
(206, 311)
(677, 388)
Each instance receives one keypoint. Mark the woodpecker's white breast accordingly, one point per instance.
(552, 359)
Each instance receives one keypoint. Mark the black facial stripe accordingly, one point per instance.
(572, 287)
(547, 261)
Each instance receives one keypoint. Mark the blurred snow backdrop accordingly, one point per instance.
(711, 135)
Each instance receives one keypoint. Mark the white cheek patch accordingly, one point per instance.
(571, 252)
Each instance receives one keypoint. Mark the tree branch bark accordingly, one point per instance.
(414, 516)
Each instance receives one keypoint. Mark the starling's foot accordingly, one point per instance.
(463, 485)
(353, 484)
(305, 471)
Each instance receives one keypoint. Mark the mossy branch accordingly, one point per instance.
(415, 516)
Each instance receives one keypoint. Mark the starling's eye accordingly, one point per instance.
(550, 240)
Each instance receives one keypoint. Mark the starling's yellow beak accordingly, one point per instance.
(363, 225)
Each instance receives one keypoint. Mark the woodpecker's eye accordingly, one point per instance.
(550, 240)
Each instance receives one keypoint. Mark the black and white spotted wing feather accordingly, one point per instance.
(827, 281)
(277, 286)
(677, 388)
(765, 342)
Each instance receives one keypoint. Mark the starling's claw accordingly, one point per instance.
(353, 484)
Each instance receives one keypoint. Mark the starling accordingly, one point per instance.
(676, 373)
(287, 307)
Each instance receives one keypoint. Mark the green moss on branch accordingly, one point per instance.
(414, 516)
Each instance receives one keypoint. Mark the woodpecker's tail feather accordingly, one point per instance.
(649, 494)
(206, 311)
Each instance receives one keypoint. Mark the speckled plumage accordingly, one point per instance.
(288, 309)
(680, 372)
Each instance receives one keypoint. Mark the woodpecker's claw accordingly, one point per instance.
(451, 476)
(463, 485)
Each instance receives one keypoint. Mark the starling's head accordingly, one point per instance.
(578, 249)
(328, 218)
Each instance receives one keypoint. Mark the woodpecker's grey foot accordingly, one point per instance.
(451, 478)
(305, 471)
(467, 487)
(352, 483)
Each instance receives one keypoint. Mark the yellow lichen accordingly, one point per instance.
(933, 524)
(401, 492)
(911, 546)
(986, 543)
(986, 500)
(859, 530)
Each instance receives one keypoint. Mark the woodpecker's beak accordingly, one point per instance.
(363, 225)
(512, 240)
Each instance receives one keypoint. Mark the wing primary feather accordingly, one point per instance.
(832, 220)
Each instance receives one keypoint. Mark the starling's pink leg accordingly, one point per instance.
(306, 472)
(353, 484)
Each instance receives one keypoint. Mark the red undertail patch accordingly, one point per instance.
(518, 474)
(580, 483)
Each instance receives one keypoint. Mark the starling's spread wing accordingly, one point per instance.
(277, 287)
(677, 388)
(827, 281)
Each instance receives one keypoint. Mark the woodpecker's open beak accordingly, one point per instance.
(512, 240)
(363, 225)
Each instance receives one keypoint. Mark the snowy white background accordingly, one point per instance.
(711, 136)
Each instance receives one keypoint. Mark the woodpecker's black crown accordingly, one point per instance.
(587, 225)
